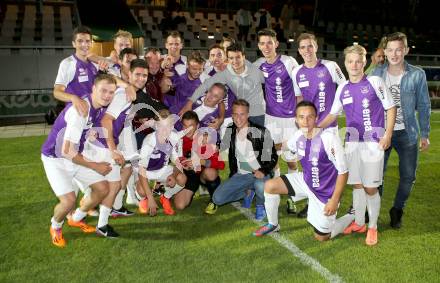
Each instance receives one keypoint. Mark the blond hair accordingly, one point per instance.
(356, 49)
(124, 34)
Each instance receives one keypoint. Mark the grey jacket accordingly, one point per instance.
(247, 85)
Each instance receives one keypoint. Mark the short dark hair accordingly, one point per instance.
(81, 29)
(397, 36)
(127, 51)
(138, 63)
(267, 32)
(152, 49)
(215, 46)
(174, 34)
(235, 47)
(197, 57)
(240, 102)
(306, 103)
(190, 115)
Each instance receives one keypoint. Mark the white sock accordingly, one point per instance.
(170, 192)
(291, 170)
(359, 206)
(78, 215)
(55, 224)
(373, 203)
(340, 224)
(104, 213)
(271, 204)
(277, 172)
(117, 204)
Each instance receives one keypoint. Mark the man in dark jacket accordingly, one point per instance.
(252, 157)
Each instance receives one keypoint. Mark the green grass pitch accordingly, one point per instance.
(194, 247)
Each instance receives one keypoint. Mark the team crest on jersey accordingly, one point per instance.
(279, 70)
(365, 89)
(320, 74)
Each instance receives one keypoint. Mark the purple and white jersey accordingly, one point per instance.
(205, 113)
(280, 97)
(229, 98)
(154, 155)
(364, 103)
(322, 159)
(318, 85)
(178, 69)
(119, 109)
(71, 126)
(185, 87)
(77, 76)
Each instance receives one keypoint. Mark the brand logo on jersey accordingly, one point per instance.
(320, 74)
(366, 114)
(321, 96)
(302, 77)
(315, 172)
(347, 92)
(365, 89)
(278, 90)
(339, 73)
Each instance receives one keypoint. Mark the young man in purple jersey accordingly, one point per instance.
(316, 80)
(118, 141)
(63, 160)
(364, 101)
(187, 83)
(158, 149)
(322, 180)
(173, 61)
(76, 73)
(280, 98)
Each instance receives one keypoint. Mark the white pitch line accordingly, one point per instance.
(302, 256)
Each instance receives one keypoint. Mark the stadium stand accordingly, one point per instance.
(40, 37)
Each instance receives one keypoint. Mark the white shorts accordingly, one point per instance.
(160, 175)
(127, 144)
(365, 163)
(315, 213)
(61, 171)
(281, 129)
(102, 154)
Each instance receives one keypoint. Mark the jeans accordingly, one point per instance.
(235, 188)
(408, 155)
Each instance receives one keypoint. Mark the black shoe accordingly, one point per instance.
(159, 190)
(396, 217)
(107, 231)
(121, 212)
(303, 212)
(291, 207)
